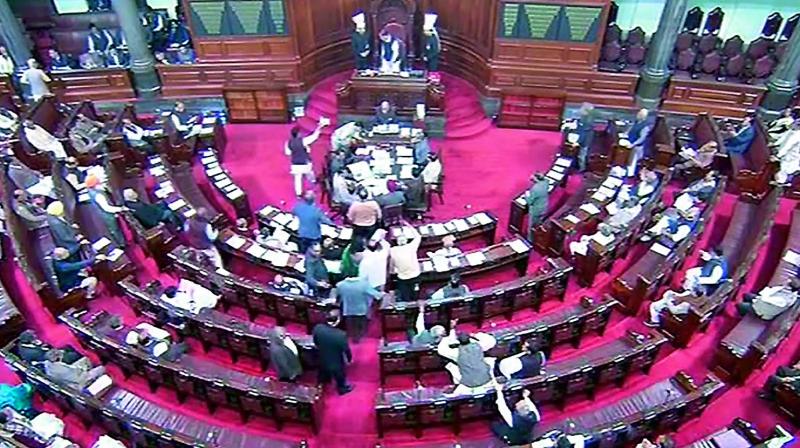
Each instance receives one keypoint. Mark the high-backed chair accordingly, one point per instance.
(397, 18)
(772, 25)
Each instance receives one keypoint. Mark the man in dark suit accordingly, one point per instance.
(150, 215)
(284, 356)
(333, 351)
(63, 233)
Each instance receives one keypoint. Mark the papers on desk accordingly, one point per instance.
(208, 160)
(328, 231)
(115, 254)
(563, 162)
(407, 231)
(209, 120)
(212, 165)
(572, 218)
(660, 249)
(607, 192)
(157, 171)
(599, 197)
(613, 182)
(792, 257)
(460, 225)
(223, 183)
(235, 194)
(256, 250)
(519, 246)
(360, 170)
(684, 202)
(438, 229)
(363, 151)
(214, 171)
(189, 213)
(404, 151)
(475, 258)
(393, 128)
(484, 219)
(405, 160)
(440, 264)
(101, 244)
(521, 200)
(601, 239)
(281, 235)
(612, 208)
(235, 241)
(381, 154)
(282, 218)
(99, 385)
(266, 211)
(590, 209)
(407, 172)
(176, 204)
(279, 258)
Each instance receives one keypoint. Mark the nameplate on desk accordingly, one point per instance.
(236, 194)
(178, 203)
(223, 183)
(475, 258)
(520, 200)
(235, 241)
(115, 254)
(519, 246)
(572, 218)
(660, 249)
(189, 213)
(256, 250)
(101, 244)
(590, 209)
(460, 225)
(157, 171)
(792, 257)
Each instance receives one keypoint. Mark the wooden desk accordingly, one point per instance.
(103, 84)
(360, 95)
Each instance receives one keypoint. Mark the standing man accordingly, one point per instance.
(284, 356)
(364, 215)
(334, 353)
(355, 296)
(640, 136)
(36, 79)
(433, 45)
(298, 148)
(585, 131)
(536, 197)
(6, 64)
(391, 54)
(311, 219)
(404, 262)
(375, 260)
(360, 41)
(201, 235)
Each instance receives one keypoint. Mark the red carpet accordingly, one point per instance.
(483, 171)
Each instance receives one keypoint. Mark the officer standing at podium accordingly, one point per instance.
(433, 45)
(360, 41)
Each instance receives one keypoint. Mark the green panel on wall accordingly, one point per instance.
(207, 17)
(549, 22)
(238, 18)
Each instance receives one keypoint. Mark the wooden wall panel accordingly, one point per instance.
(464, 21)
(717, 98)
(601, 88)
(546, 53)
(208, 79)
(244, 48)
(98, 85)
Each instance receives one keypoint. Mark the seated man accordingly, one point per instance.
(86, 135)
(781, 125)
(669, 301)
(771, 301)
(42, 140)
(179, 36)
(34, 216)
(63, 232)
(433, 170)
(421, 336)
(422, 149)
(516, 427)
(702, 189)
(150, 215)
(190, 296)
(330, 250)
(385, 114)
(454, 288)
(345, 136)
(58, 62)
(674, 223)
(739, 141)
(78, 374)
(448, 249)
(789, 376)
(604, 234)
(72, 274)
(117, 58)
(289, 284)
(344, 190)
(621, 217)
(701, 159)
(471, 371)
(98, 41)
(648, 183)
(787, 154)
(526, 364)
(9, 122)
(137, 137)
(155, 342)
(395, 195)
(184, 55)
(19, 425)
(703, 280)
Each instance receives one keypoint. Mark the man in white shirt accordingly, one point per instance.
(6, 64)
(788, 153)
(155, 341)
(622, 217)
(433, 170)
(674, 223)
(404, 262)
(671, 302)
(375, 260)
(136, 136)
(771, 301)
(9, 122)
(345, 135)
(36, 79)
(470, 369)
(190, 296)
(42, 140)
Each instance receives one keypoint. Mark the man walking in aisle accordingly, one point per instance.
(334, 353)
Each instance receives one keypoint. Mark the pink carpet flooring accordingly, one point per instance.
(485, 168)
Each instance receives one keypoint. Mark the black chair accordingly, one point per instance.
(393, 215)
